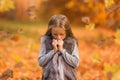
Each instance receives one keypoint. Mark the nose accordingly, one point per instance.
(58, 37)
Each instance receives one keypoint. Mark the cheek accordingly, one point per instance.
(63, 37)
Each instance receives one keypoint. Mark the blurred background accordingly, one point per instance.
(95, 23)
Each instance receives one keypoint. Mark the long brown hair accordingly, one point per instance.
(59, 21)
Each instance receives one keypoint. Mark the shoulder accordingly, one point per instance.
(44, 38)
(70, 40)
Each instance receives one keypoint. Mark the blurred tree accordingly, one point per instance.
(98, 11)
(6, 5)
(113, 12)
(74, 9)
(108, 3)
(7, 9)
(50, 7)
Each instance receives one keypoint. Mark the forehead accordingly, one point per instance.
(58, 30)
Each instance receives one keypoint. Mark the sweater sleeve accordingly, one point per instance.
(44, 58)
(71, 59)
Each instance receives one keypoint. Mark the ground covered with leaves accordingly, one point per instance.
(19, 50)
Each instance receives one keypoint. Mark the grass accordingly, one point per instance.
(36, 29)
(30, 29)
(14, 25)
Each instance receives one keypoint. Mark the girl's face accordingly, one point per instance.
(58, 33)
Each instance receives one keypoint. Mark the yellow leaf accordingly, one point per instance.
(108, 3)
(111, 68)
(96, 57)
(116, 68)
(107, 67)
(117, 36)
(116, 76)
(90, 26)
(16, 57)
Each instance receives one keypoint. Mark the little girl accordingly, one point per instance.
(59, 51)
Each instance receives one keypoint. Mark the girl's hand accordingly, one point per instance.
(60, 44)
(54, 44)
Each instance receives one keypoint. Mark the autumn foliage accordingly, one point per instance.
(103, 13)
(99, 55)
(95, 23)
